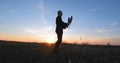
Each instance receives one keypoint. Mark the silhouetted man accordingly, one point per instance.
(60, 25)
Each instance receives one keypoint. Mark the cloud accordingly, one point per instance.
(94, 9)
(41, 8)
(49, 28)
(31, 30)
(102, 30)
(43, 20)
(114, 23)
(42, 34)
(36, 31)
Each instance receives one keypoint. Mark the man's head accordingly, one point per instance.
(59, 13)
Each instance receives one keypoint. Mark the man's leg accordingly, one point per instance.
(59, 37)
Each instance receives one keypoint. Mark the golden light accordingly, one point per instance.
(51, 40)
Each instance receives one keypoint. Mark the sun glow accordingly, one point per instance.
(51, 39)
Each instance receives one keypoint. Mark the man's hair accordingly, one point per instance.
(59, 11)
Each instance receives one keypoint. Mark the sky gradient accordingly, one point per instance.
(94, 21)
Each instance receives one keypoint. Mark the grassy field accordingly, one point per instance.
(17, 52)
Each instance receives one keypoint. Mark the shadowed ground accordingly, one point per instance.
(16, 52)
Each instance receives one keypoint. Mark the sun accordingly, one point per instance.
(50, 40)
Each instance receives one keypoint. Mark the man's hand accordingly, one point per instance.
(70, 20)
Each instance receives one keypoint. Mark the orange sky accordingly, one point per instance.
(52, 39)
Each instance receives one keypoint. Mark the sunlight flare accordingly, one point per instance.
(51, 39)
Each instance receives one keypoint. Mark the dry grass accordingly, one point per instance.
(15, 52)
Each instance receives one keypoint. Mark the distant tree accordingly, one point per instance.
(108, 43)
(84, 43)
